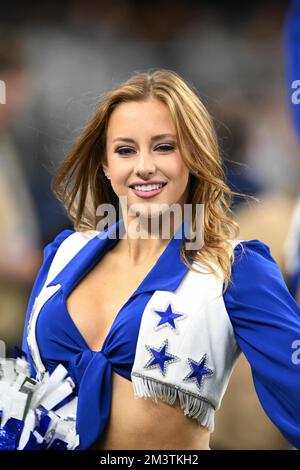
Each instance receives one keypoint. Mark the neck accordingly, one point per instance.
(145, 239)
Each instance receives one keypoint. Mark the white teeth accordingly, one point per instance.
(148, 187)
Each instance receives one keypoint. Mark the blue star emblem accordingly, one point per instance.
(198, 370)
(160, 357)
(167, 317)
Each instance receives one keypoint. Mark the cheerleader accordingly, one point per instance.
(128, 315)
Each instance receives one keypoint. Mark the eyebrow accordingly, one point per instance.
(153, 139)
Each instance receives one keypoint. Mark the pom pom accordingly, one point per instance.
(36, 414)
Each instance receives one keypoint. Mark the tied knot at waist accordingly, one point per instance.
(91, 371)
(79, 364)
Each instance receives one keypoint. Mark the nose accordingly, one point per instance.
(145, 165)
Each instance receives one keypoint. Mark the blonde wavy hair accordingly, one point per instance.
(81, 186)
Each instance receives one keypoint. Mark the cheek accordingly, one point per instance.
(180, 170)
(118, 172)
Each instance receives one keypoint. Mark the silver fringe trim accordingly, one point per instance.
(193, 405)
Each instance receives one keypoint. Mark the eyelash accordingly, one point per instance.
(170, 148)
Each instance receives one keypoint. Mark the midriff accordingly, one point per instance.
(138, 423)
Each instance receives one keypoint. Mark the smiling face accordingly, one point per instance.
(137, 157)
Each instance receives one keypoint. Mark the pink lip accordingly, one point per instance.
(147, 194)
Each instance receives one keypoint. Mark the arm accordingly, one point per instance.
(266, 321)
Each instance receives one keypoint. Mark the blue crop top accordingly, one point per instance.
(264, 316)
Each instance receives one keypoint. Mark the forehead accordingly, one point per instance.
(151, 116)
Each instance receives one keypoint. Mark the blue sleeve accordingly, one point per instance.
(48, 255)
(291, 43)
(266, 322)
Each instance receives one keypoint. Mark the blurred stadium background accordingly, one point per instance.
(57, 58)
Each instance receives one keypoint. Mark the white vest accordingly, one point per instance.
(202, 341)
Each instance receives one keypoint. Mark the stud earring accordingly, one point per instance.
(107, 175)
